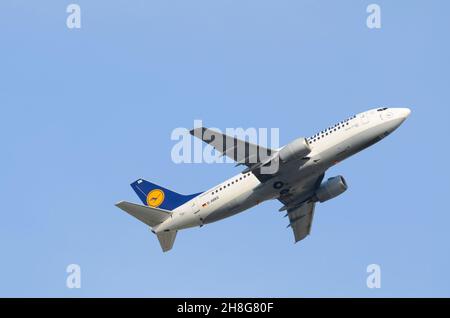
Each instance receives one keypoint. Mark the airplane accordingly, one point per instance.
(297, 182)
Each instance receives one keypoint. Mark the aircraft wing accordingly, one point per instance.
(241, 151)
(300, 208)
(300, 220)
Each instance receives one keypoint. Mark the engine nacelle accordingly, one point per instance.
(297, 149)
(330, 189)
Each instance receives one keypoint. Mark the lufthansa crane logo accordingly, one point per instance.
(155, 198)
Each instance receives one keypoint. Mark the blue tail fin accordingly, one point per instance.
(156, 196)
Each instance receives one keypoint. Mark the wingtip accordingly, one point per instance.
(193, 130)
(119, 203)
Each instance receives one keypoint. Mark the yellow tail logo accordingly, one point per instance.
(155, 198)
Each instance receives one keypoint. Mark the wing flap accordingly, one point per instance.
(301, 219)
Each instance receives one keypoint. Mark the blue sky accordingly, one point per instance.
(86, 112)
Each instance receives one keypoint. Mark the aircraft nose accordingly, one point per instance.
(405, 112)
(399, 116)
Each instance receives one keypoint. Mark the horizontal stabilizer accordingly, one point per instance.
(166, 239)
(148, 215)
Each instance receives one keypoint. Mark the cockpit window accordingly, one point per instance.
(381, 109)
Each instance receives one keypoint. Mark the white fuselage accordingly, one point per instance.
(328, 147)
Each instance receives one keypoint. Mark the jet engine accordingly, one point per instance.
(297, 149)
(330, 189)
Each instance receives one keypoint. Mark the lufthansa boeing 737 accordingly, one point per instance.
(297, 182)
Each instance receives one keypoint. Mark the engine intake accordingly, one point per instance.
(330, 189)
(297, 149)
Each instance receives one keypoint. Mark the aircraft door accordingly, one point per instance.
(194, 207)
(364, 118)
(198, 217)
(387, 115)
